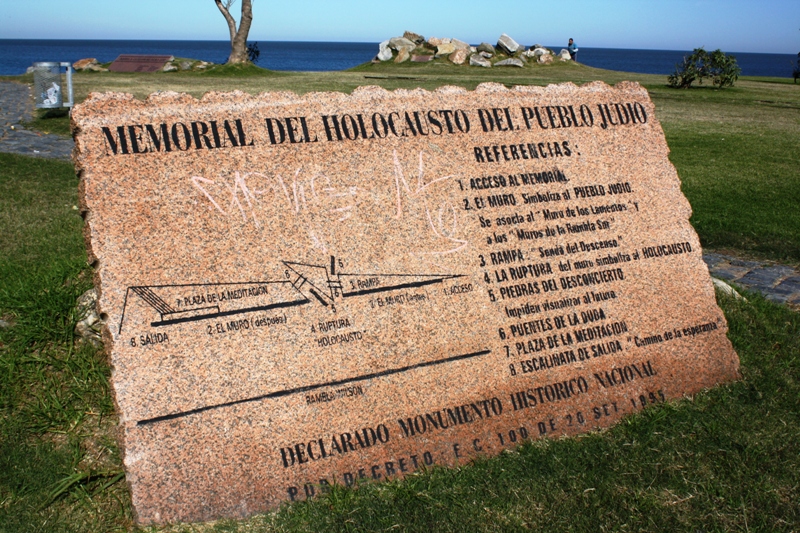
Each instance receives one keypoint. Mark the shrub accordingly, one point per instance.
(722, 69)
(689, 71)
(253, 52)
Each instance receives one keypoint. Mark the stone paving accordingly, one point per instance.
(16, 107)
(778, 283)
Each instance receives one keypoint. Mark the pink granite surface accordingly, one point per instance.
(324, 289)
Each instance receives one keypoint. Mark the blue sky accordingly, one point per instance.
(732, 25)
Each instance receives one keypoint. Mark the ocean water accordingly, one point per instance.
(16, 55)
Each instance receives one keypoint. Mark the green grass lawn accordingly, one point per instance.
(57, 415)
(728, 460)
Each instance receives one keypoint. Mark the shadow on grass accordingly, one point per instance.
(51, 121)
(237, 71)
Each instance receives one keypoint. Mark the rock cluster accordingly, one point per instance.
(91, 64)
(506, 53)
(88, 64)
(185, 64)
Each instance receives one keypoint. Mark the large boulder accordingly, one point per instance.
(436, 41)
(545, 59)
(403, 55)
(415, 38)
(445, 49)
(486, 47)
(540, 54)
(82, 64)
(384, 52)
(508, 45)
(459, 56)
(460, 45)
(399, 43)
(477, 60)
(563, 55)
(510, 62)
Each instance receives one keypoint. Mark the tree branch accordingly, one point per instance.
(239, 43)
(223, 8)
(247, 19)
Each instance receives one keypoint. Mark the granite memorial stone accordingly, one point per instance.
(308, 290)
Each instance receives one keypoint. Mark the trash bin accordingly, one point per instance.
(48, 85)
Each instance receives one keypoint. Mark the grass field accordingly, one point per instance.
(728, 460)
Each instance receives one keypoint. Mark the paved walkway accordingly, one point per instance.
(16, 107)
(778, 283)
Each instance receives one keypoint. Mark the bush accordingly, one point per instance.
(796, 72)
(253, 52)
(689, 71)
(722, 69)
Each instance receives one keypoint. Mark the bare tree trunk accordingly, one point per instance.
(238, 37)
